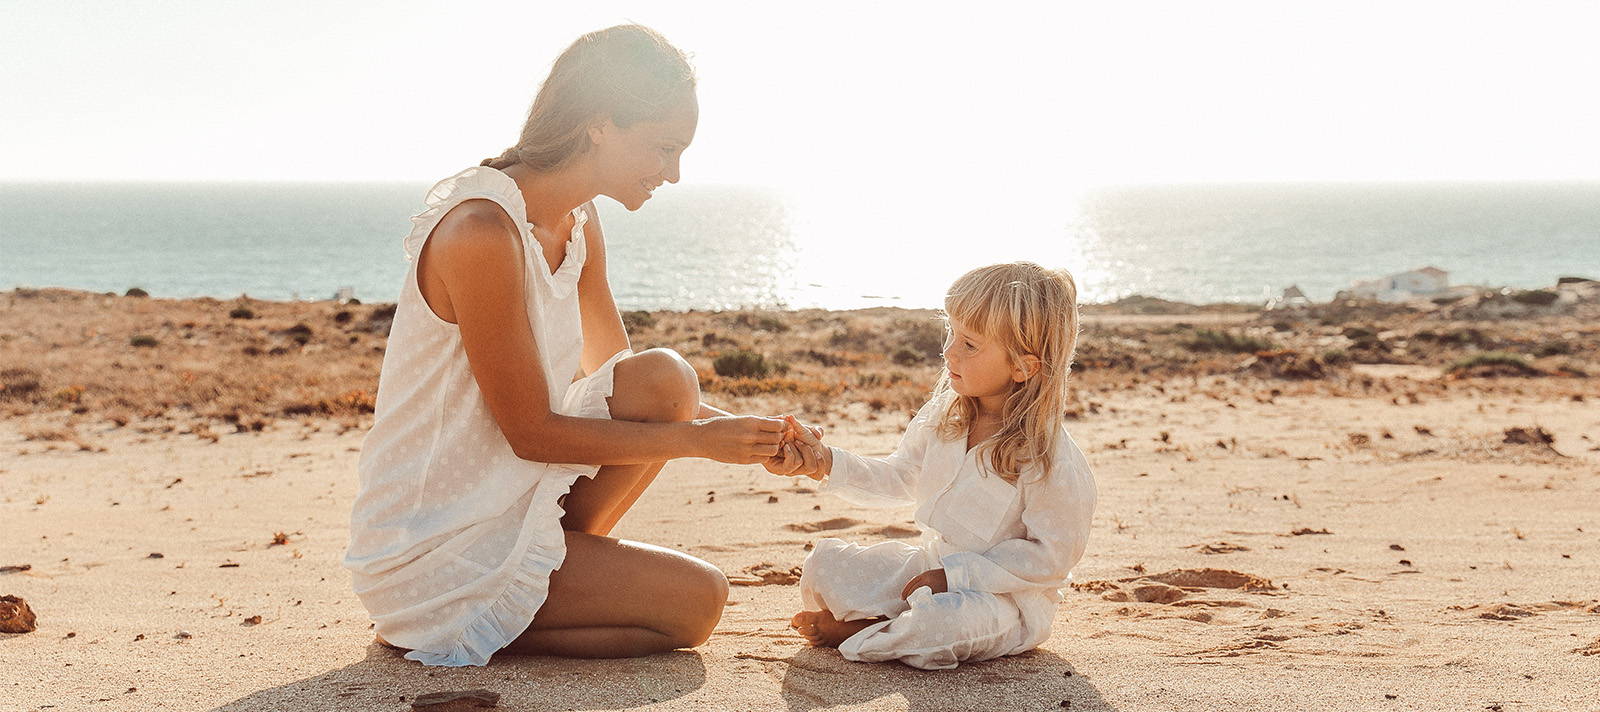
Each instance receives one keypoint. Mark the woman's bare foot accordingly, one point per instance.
(821, 629)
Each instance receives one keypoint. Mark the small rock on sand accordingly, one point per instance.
(16, 616)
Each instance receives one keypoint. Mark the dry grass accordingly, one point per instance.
(244, 364)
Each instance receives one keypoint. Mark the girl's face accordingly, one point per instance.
(979, 367)
(632, 162)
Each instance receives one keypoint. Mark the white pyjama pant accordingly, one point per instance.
(932, 631)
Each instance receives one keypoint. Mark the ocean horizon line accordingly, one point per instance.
(137, 292)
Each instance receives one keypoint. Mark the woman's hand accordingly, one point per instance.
(801, 453)
(932, 578)
(740, 439)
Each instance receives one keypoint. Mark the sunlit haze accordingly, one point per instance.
(888, 122)
(1019, 95)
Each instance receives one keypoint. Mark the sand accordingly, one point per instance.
(1456, 571)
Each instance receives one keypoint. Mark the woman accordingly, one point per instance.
(514, 425)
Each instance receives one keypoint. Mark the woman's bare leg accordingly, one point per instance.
(614, 598)
(654, 386)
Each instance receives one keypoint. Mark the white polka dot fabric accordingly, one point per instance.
(1006, 550)
(452, 536)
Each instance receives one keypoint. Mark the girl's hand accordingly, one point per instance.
(802, 452)
(932, 578)
(740, 439)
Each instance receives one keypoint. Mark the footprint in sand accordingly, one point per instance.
(766, 574)
(1233, 650)
(1173, 588)
(1518, 611)
(1209, 578)
(825, 525)
(1221, 547)
(896, 531)
(1185, 579)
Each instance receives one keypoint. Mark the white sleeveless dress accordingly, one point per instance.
(452, 536)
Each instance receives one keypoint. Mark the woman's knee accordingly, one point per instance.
(656, 385)
(700, 597)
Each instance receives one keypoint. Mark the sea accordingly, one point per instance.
(729, 247)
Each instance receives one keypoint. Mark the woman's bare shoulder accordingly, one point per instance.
(477, 229)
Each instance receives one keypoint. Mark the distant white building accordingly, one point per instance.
(1405, 286)
(1290, 299)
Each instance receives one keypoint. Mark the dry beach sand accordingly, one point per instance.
(1366, 539)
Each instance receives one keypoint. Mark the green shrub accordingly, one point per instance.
(854, 339)
(923, 337)
(636, 320)
(761, 322)
(906, 357)
(18, 383)
(135, 292)
(745, 364)
(241, 313)
(1209, 340)
(299, 332)
(1535, 297)
(1553, 348)
(144, 341)
(1494, 363)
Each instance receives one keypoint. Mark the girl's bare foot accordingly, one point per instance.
(821, 629)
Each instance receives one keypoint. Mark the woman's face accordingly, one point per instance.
(632, 162)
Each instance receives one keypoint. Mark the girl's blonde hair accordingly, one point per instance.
(1025, 309)
(627, 73)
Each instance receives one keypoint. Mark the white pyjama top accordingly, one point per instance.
(1007, 550)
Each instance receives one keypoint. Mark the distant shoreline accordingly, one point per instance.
(1132, 304)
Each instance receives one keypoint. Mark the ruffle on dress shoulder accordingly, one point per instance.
(472, 183)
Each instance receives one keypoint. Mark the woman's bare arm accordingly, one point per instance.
(603, 333)
(477, 254)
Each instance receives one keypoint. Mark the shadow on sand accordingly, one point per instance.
(524, 682)
(1036, 680)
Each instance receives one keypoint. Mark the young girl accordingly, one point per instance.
(1003, 495)
(514, 424)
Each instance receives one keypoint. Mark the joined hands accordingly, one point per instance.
(801, 454)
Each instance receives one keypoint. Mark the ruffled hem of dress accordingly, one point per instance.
(510, 614)
(513, 611)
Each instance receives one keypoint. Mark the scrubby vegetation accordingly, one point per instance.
(120, 360)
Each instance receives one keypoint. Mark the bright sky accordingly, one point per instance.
(1002, 100)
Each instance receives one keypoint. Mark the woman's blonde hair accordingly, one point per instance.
(627, 73)
(1027, 310)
